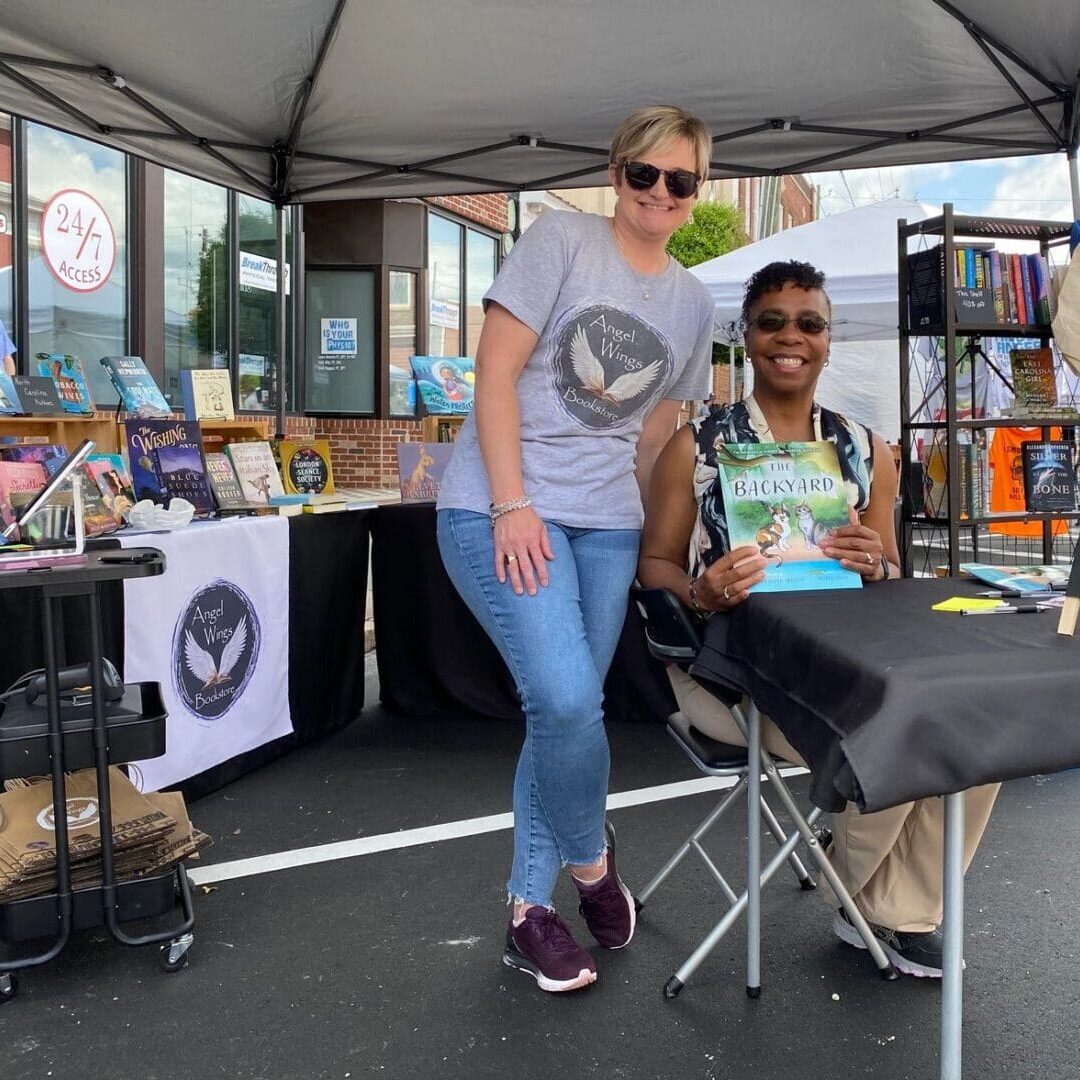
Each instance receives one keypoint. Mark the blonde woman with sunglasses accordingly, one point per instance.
(593, 338)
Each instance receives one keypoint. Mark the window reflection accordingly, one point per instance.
(480, 259)
(7, 238)
(402, 342)
(444, 287)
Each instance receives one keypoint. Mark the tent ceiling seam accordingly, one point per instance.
(51, 98)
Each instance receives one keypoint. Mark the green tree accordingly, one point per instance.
(713, 229)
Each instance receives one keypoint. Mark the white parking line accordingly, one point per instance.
(433, 834)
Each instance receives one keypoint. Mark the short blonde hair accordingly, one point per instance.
(654, 126)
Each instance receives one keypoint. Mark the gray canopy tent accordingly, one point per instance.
(307, 100)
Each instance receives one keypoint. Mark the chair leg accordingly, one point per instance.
(883, 963)
(806, 882)
(692, 842)
(753, 857)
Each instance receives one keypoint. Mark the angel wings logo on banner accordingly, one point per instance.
(215, 649)
(609, 365)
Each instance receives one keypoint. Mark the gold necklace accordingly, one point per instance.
(644, 281)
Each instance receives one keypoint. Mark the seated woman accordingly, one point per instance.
(889, 861)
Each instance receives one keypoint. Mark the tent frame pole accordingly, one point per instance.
(281, 325)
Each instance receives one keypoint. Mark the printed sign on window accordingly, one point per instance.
(258, 272)
(445, 313)
(77, 240)
(338, 337)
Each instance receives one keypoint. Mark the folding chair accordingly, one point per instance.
(672, 636)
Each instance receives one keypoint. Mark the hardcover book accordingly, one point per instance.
(420, 470)
(1029, 578)
(256, 470)
(1034, 386)
(113, 481)
(207, 394)
(223, 483)
(9, 398)
(148, 436)
(785, 499)
(444, 383)
(66, 372)
(18, 477)
(306, 468)
(37, 395)
(926, 271)
(139, 394)
(1049, 477)
(183, 476)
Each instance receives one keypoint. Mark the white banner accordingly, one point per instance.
(258, 272)
(213, 630)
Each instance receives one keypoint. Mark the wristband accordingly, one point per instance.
(496, 510)
(884, 568)
(695, 607)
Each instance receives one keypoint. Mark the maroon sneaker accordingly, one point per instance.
(607, 904)
(543, 947)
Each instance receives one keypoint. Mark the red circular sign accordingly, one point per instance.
(77, 240)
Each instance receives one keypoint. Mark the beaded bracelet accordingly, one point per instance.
(695, 607)
(496, 510)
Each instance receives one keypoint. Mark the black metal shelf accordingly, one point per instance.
(994, 519)
(975, 423)
(1032, 330)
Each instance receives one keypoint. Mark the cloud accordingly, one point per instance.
(1032, 187)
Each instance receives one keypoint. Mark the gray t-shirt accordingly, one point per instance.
(605, 357)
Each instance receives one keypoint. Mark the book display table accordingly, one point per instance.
(433, 657)
(890, 701)
(64, 743)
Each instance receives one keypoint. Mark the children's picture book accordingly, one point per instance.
(207, 394)
(1033, 380)
(445, 383)
(37, 395)
(9, 397)
(140, 396)
(223, 483)
(306, 468)
(18, 477)
(110, 474)
(420, 470)
(144, 438)
(1028, 578)
(66, 372)
(183, 476)
(256, 470)
(1049, 476)
(785, 499)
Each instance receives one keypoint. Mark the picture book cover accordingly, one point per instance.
(110, 474)
(223, 482)
(306, 468)
(66, 372)
(420, 470)
(140, 396)
(37, 395)
(51, 455)
(207, 394)
(18, 477)
(1033, 380)
(1028, 578)
(9, 397)
(1049, 477)
(785, 499)
(256, 470)
(145, 437)
(445, 383)
(183, 476)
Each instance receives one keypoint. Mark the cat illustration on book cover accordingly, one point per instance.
(774, 537)
(813, 531)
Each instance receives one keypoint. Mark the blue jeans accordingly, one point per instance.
(558, 646)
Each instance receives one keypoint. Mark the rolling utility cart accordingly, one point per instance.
(111, 724)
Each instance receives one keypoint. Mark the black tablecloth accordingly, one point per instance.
(434, 659)
(890, 701)
(328, 560)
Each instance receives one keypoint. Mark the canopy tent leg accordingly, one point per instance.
(281, 325)
(1074, 184)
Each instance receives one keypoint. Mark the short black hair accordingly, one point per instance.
(775, 276)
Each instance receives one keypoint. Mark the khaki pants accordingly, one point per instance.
(889, 861)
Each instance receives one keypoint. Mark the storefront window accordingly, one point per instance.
(340, 318)
(480, 259)
(402, 342)
(196, 278)
(77, 237)
(7, 238)
(444, 287)
(257, 306)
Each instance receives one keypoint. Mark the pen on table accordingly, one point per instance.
(1016, 594)
(1005, 609)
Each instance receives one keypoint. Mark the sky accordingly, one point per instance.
(1028, 187)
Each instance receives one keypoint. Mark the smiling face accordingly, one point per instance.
(788, 360)
(654, 214)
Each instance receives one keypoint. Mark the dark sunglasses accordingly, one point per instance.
(641, 176)
(772, 322)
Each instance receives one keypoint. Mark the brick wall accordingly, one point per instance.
(362, 451)
(486, 210)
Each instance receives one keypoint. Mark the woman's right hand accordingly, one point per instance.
(726, 583)
(522, 550)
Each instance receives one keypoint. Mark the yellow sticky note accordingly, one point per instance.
(969, 603)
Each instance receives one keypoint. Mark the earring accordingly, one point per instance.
(826, 364)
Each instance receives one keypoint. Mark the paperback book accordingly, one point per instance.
(9, 398)
(444, 383)
(207, 394)
(1049, 477)
(420, 470)
(111, 477)
(256, 471)
(306, 468)
(785, 499)
(1034, 386)
(66, 372)
(1028, 578)
(223, 483)
(18, 477)
(183, 476)
(140, 396)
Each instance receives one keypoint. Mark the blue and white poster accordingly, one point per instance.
(337, 337)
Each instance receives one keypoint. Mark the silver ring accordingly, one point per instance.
(725, 593)
(869, 558)
(511, 558)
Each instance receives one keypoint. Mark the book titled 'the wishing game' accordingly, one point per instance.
(785, 499)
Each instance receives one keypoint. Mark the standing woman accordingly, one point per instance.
(593, 337)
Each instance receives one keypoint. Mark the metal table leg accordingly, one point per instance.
(952, 926)
(753, 854)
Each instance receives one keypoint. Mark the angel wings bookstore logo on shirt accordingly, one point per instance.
(215, 649)
(609, 365)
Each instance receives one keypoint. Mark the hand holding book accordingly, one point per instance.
(858, 548)
(726, 583)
